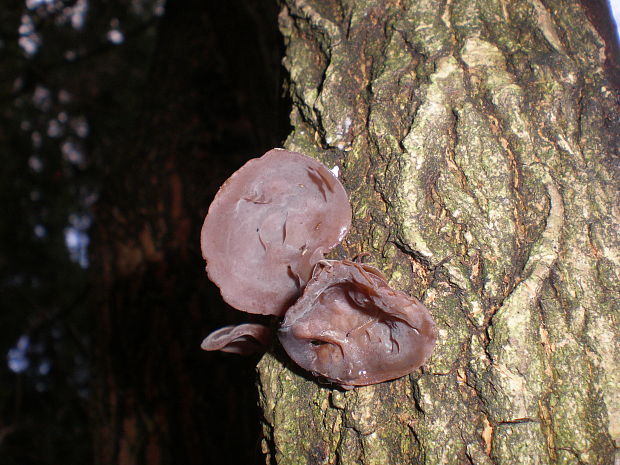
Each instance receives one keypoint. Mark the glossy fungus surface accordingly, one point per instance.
(267, 227)
(242, 339)
(350, 327)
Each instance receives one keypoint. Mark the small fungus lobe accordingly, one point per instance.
(353, 329)
(242, 339)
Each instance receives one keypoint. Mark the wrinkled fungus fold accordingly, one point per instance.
(352, 328)
(264, 239)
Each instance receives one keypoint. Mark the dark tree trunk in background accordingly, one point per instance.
(211, 102)
(479, 144)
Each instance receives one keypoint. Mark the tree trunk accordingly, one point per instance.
(478, 143)
(211, 103)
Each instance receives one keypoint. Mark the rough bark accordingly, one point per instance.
(478, 143)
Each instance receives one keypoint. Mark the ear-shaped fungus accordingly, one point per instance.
(352, 328)
(243, 339)
(264, 239)
(268, 225)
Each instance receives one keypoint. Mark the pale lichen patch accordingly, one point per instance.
(428, 135)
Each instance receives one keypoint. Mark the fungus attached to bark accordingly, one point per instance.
(267, 227)
(350, 327)
(264, 238)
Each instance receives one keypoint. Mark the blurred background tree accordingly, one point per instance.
(119, 120)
